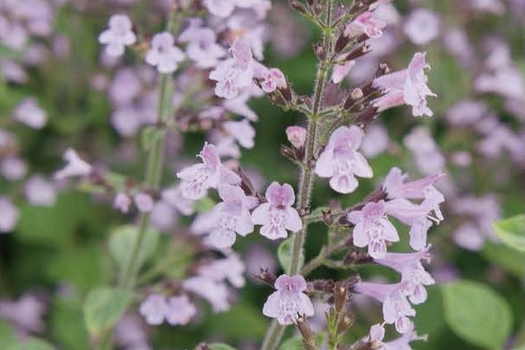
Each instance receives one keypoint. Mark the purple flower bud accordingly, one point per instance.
(296, 135)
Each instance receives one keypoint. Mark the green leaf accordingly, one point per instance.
(204, 205)
(80, 265)
(122, 242)
(511, 231)
(56, 225)
(67, 323)
(284, 254)
(7, 52)
(150, 136)
(103, 308)
(220, 346)
(7, 333)
(502, 255)
(293, 343)
(242, 321)
(477, 314)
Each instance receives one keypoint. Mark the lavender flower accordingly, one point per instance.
(196, 179)
(288, 302)
(164, 54)
(153, 309)
(406, 86)
(373, 229)
(277, 215)
(9, 215)
(340, 160)
(75, 166)
(236, 73)
(30, 113)
(118, 35)
(232, 215)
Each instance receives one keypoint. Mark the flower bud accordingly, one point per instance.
(356, 94)
(296, 135)
(306, 333)
(341, 295)
(298, 7)
(345, 322)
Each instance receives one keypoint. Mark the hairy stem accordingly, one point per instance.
(306, 179)
(153, 177)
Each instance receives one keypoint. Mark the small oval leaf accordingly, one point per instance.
(103, 308)
(122, 242)
(511, 231)
(477, 314)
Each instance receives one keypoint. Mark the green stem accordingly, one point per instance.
(153, 177)
(152, 180)
(306, 179)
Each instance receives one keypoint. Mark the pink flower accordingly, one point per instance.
(406, 86)
(340, 160)
(9, 215)
(153, 309)
(396, 307)
(164, 54)
(13, 168)
(377, 333)
(373, 229)
(231, 269)
(296, 135)
(220, 8)
(26, 313)
(277, 215)
(288, 302)
(175, 310)
(402, 343)
(273, 78)
(197, 178)
(421, 26)
(118, 35)
(413, 275)
(173, 196)
(242, 131)
(202, 47)
(367, 24)
(340, 71)
(224, 8)
(235, 74)
(396, 187)
(179, 310)
(122, 202)
(30, 113)
(39, 191)
(233, 215)
(75, 166)
(143, 202)
(216, 293)
(413, 215)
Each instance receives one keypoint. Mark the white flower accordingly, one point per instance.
(164, 54)
(118, 35)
